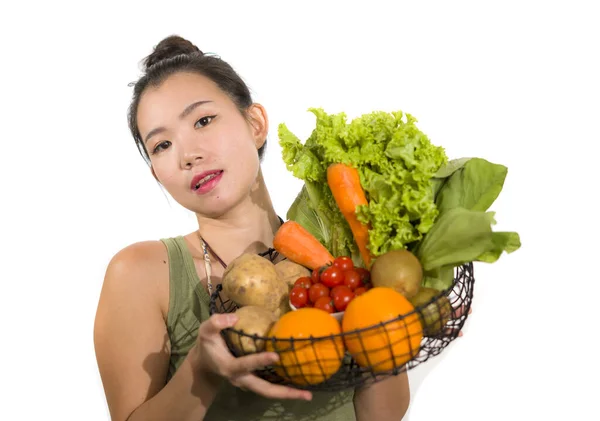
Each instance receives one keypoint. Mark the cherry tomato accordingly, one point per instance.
(343, 262)
(315, 275)
(334, 290)
(299, 296)
(352, 279)
(317, 291)
(304, 282)
(325, 304)
(360, 290)
(365, 275)
(342, 297)
(332, 276)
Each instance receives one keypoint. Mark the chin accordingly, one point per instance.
(214, 207)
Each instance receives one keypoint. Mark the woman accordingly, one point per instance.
(160, 355)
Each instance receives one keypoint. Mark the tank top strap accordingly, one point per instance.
(183, 278)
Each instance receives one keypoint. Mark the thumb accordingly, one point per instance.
(216, 323)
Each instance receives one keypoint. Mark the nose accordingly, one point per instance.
(191, 157)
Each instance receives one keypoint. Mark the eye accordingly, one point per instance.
(161, 146)
(204, 121)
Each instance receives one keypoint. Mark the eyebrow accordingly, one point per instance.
(183, 115)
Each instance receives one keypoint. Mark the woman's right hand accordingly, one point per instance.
(214, 357)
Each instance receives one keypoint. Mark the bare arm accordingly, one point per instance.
(386, 400)
(132, 345)
(132, 348)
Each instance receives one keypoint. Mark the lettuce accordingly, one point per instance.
(396, 163)
(417, 199)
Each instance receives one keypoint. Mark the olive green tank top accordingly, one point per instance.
(188, 307)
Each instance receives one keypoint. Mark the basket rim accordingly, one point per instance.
(273, 339)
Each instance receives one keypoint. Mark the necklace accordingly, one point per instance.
(207, 251)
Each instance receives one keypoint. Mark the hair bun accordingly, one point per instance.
(169, 47)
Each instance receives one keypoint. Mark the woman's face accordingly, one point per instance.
(202, 149)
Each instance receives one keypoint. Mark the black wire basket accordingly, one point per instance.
(362, 356)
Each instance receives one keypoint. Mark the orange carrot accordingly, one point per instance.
(344, 183)
(300, 246)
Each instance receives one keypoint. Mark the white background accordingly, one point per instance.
(516, 83)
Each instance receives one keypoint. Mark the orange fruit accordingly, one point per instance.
(382, 346)
(307, 352)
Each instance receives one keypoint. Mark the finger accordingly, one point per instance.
(270, 390)
(241, 366)
(458, 312)
(451, 331)
(216, 323)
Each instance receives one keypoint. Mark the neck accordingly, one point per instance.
(249, 227)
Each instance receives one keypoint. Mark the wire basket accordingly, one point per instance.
(359, 357)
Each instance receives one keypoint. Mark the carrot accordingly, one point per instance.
(300, 246)
(344, 183)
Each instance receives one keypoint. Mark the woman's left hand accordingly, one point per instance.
(456, 314)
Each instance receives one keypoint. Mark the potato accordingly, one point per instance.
(289, 271)
(251, 280)
(252, 320)
(283, 308)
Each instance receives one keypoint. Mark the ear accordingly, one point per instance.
(259, 122)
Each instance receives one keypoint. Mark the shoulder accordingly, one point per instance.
(140, 270)
(136, 256)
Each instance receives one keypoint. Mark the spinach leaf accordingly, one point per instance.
(474, 186)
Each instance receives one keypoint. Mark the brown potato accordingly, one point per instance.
(252, 320)
(251, 280)
(283, 308)
(289, 271)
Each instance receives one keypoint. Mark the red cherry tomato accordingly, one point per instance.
(352, 279)
(365, 275)
(299, 296)
(343, 262)
(325, 304)
(342, 297)
(315, 275)
(304, 282)
(332, 276)
(317, 291)
(334, 290)
(360, 290)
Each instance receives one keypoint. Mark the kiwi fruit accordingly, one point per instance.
(399, 270)
(435, 315)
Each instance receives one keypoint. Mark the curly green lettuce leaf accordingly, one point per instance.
(396, 163)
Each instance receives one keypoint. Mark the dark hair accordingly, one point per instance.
(175, 54)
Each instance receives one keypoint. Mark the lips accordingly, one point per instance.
(202, 178)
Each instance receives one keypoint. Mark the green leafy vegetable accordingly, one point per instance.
(465, 189)
(417, 198)
(440, 278)
(503, 241)
(396, 163)
(475, 186)
(459, 236)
